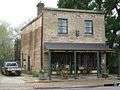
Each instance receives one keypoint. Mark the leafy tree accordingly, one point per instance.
(17, 48)
(112, 25)
(110, 5)
(97, 5)
(106, 5)
(74, 4)
(6, 42)
(112, 22)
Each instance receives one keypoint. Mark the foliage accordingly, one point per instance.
(74, 4)
(17, 49)
(6, 42)
(112, 26)
(112, 19)
(109, 5)
(35, 73)
(96, 5)
(112, 62)
(42, 71)
(43, 74)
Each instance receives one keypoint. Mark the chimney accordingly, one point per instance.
(40, 6)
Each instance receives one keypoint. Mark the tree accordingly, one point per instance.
(97, 5)
(17, 49)
(74, 4)
(112, 4)
(112, 26)
(106, 5)
(6, 42)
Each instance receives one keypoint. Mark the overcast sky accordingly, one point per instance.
(15, 12)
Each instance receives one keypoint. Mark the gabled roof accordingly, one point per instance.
(29, 23)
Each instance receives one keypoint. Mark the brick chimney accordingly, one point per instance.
(40, 6)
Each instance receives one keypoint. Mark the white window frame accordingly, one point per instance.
(90, 26)
(62, 27)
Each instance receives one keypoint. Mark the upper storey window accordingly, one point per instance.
(88, 26)
(62, 26)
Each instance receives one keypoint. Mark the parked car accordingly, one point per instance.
(10, 68)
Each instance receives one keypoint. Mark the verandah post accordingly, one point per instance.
(98, 64)
(75, 63)
(49, 64)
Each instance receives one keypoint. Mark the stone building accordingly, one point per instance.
(64, 38)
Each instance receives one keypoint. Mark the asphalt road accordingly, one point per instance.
(14, 83)
(17, 83)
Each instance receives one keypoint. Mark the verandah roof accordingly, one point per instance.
(78, 46)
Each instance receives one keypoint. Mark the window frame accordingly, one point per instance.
(88, 27)
(62, 26)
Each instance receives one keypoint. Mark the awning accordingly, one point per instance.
(78, 46)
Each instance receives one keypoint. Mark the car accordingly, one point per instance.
(10, 68)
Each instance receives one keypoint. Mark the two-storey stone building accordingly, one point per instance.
(69, 38)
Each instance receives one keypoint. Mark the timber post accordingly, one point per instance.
(49, 64)
(75, 63)
(98, 64)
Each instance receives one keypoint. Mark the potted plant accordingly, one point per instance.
(43, 74)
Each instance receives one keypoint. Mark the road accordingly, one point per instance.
(14, 83)
(17, 83)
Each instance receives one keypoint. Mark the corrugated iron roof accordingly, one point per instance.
(77, 46)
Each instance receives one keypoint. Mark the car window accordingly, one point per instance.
(11, 64)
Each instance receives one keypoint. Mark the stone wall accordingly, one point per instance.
(31, 44)
(75, 23)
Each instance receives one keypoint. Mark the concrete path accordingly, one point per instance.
(23, 83)
(73, 84)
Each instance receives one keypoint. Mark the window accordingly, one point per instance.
(12, 64)
(88, 27)
(62, 26)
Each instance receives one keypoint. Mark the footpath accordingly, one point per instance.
(78, 83)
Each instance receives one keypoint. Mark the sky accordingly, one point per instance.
(16, 12)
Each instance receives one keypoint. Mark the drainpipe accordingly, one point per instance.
(42, 43)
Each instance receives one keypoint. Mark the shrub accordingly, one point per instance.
(35, 73)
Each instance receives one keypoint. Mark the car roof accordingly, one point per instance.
(10, 62)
